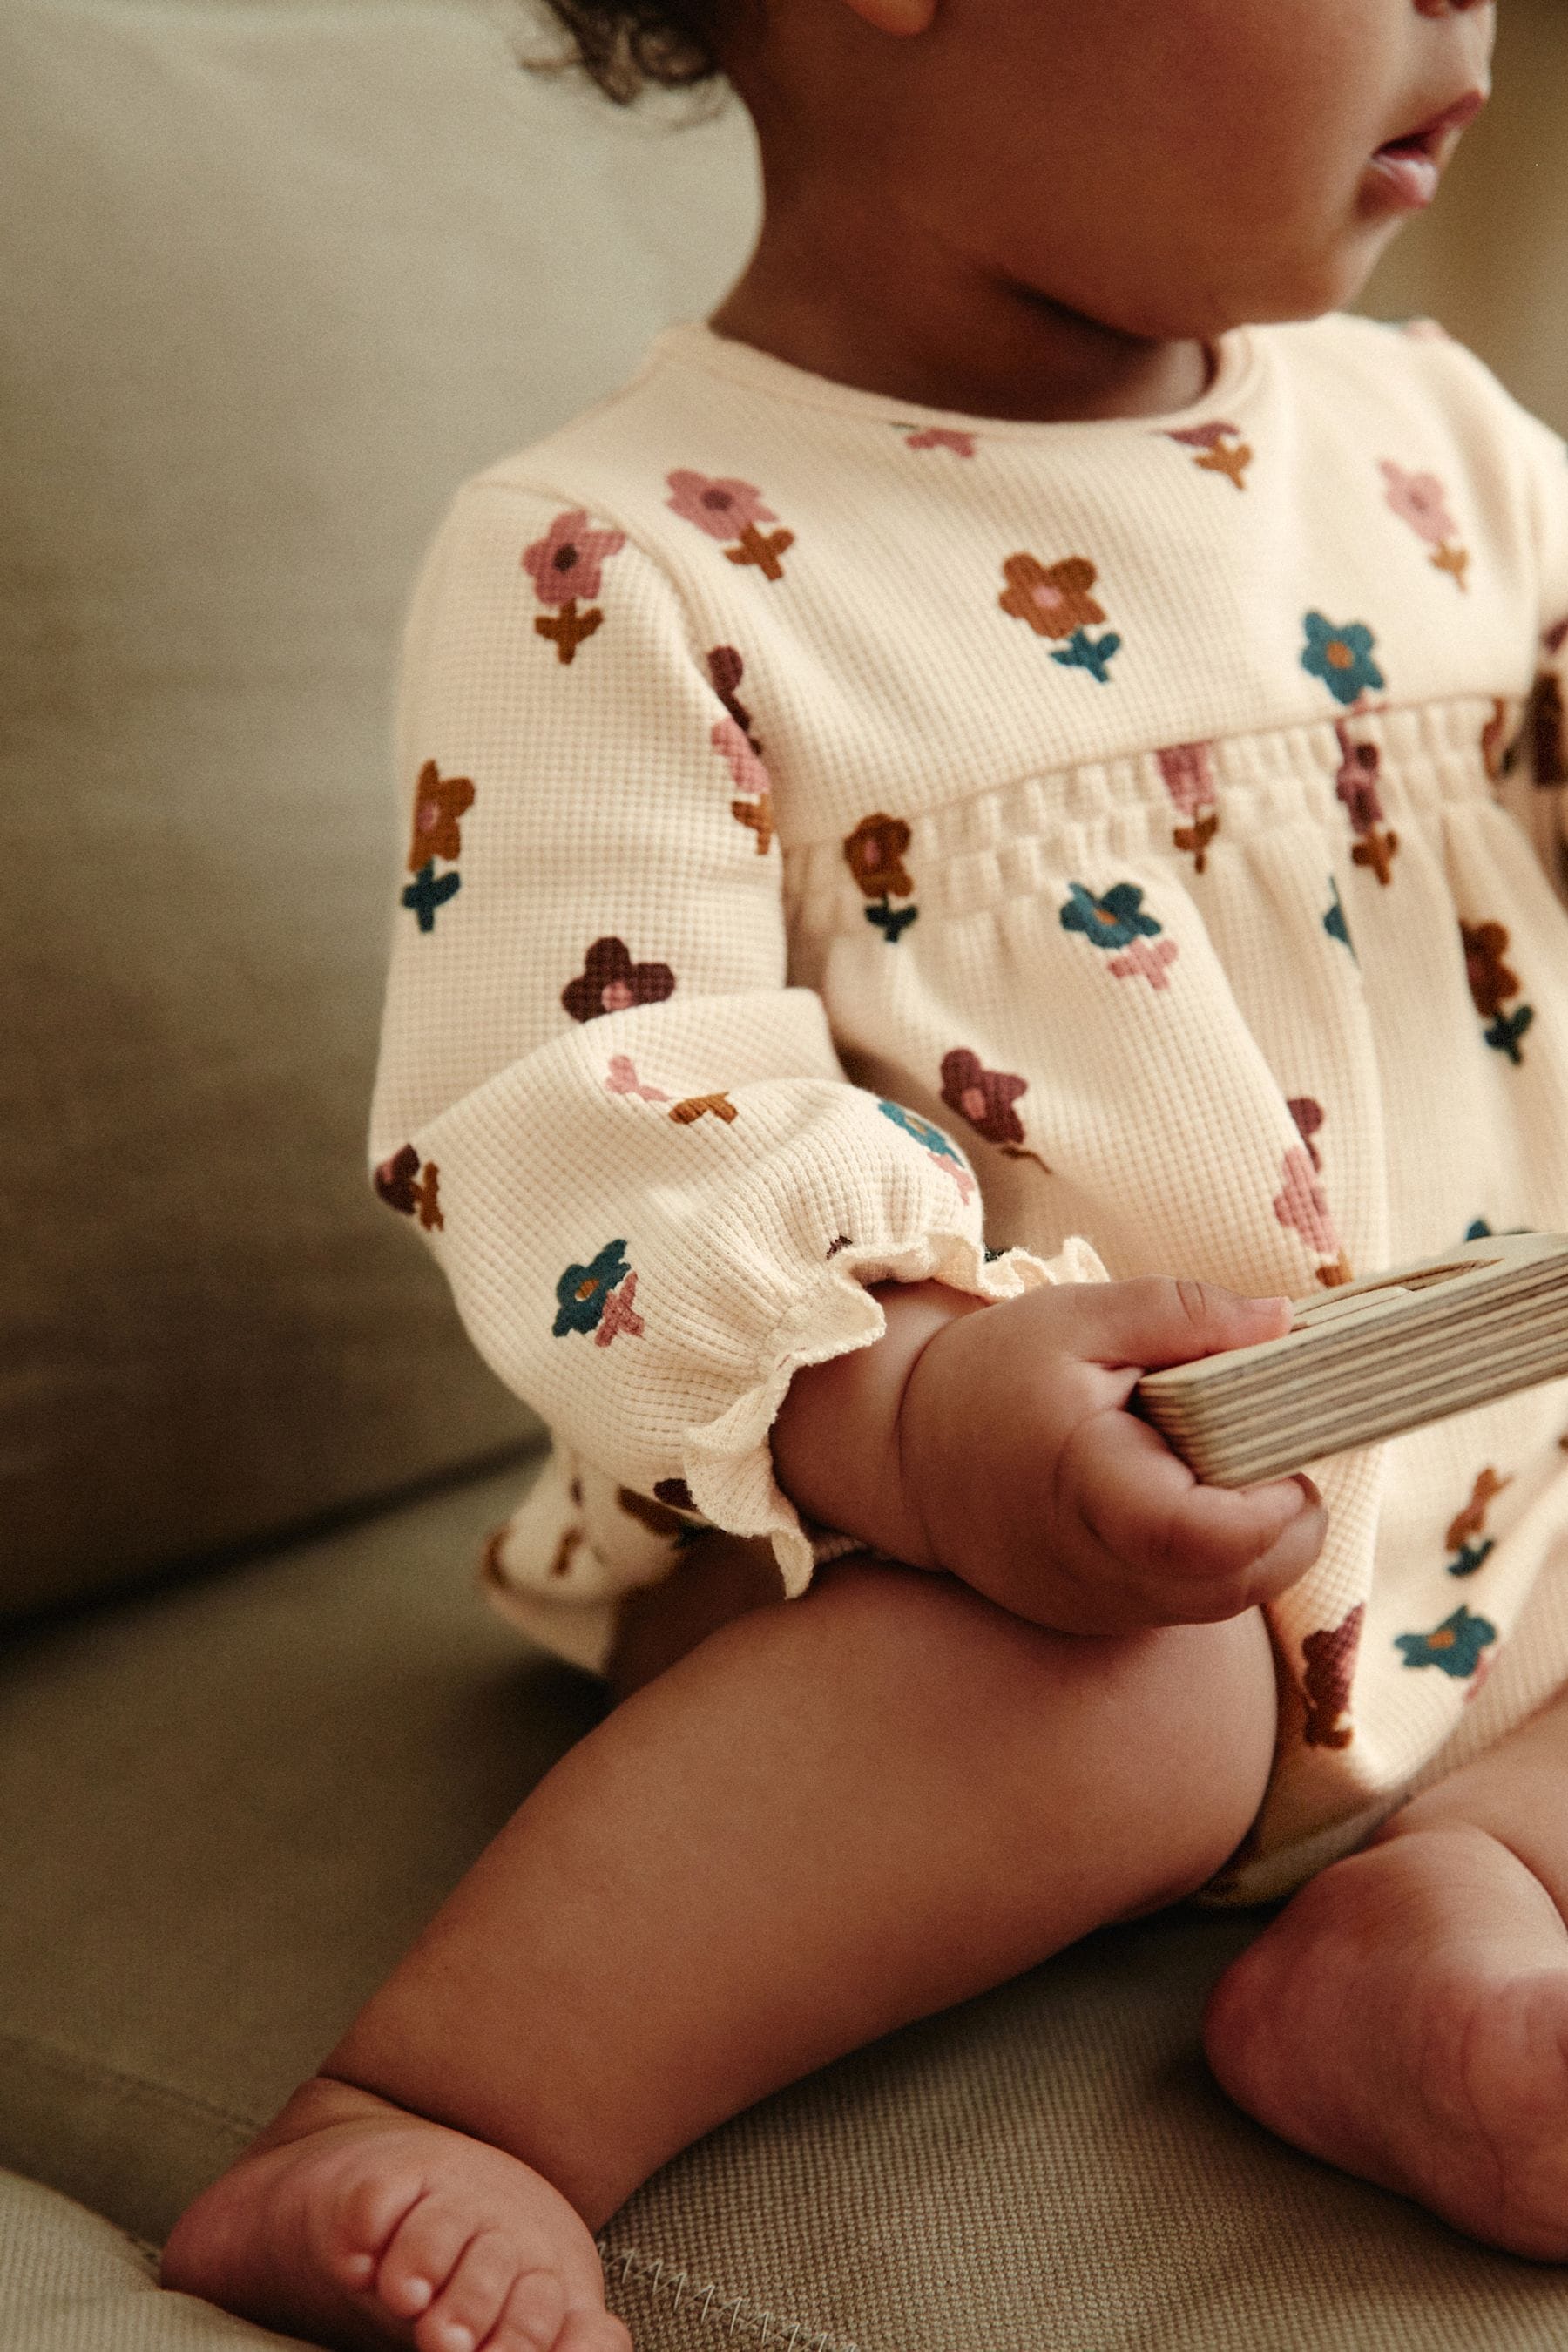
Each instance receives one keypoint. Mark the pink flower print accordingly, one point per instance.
(610, 982)
(563, 566)
(1142, 961)
(1189, 779)
(622, 1079)
(1356, 785)
(619, 1315)
(1419, 500)
(728, 509)
(940, 436)
(755, 806)
(1223, 449)
(1303, 1205)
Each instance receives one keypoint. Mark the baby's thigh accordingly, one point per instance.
(1139, 1762)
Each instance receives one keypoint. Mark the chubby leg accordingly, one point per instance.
(1406, 2016)
(827, 1818)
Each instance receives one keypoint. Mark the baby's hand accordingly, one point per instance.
(1032, 1482)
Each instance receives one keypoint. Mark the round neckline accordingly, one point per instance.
(694, 343)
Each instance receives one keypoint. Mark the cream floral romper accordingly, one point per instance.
(851, 842)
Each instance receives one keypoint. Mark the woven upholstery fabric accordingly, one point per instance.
(277, 278)
(233, 1802)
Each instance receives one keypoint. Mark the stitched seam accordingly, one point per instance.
(757, 2327)
(70, 2061)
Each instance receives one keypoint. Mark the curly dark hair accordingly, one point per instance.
(624, 44)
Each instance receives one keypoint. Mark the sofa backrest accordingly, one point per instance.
(275, 278)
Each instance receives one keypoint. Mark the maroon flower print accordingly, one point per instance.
(439, 802)
(1548, 731)
(1419, 500)
(610, 982)
(395, 1182)
(564, 565)
(731, 510)
(985, 1099)
(726, 669)
(1308, 1118)
(1356, 785)
(1221, 448)
(1189, 779)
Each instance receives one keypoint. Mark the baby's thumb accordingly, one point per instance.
(1171, 1319)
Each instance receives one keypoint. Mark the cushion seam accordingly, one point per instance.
(659, 2275)
(70, 2061)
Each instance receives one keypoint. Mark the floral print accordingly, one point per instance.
(735, 740)
(1341, 657)
(1334, 919)
(937, 437)
(985, 1099)
(1356, 785)
(395, 1183)
(1221, 449)
(1330, 1659)
(1469, 1523)
(1188, 774)
(1498, 750)
(598, 1297)
(1054, 600)
(1453, 1647)
(1115, 919)
(610, 982)
(622, 1079)
(731, 510)
(1302, 1205)
(438, 805)
(933, 1140)
(874, 854)
(565, 566)
(693, 1107)
(1419, 500)
(1491, 984)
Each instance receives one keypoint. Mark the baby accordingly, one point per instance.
(992, 817)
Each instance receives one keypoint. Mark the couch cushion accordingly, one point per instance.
(276, 277)
(226, 1808)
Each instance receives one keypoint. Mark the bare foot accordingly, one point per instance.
(358, 2225)
(1406, 2017)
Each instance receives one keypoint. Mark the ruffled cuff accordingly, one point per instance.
(728, 1463)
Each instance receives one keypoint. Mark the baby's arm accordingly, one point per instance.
(992, 1441)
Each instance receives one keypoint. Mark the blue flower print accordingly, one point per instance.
(1334, 922)
(1111, 920)
(1455, 1646)
(921, 1129)
(1341, 657)
(582, 1290)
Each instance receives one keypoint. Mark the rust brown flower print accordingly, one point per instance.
(439, 802)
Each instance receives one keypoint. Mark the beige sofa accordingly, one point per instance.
(272, 279)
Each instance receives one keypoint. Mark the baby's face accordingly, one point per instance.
(1177, 167)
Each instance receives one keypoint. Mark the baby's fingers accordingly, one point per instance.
(1191, 1554)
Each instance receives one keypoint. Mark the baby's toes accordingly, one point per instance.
(486, 2302)
(592, 2331)
(420, 2257)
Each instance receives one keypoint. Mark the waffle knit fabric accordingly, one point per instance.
(851, 842)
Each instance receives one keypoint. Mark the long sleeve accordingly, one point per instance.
(628, 1139)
